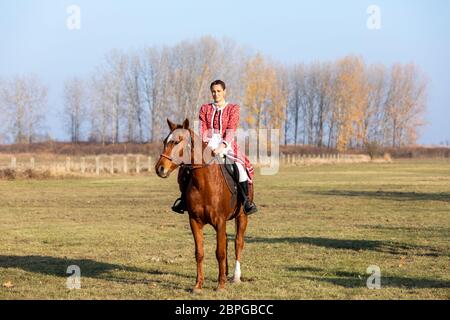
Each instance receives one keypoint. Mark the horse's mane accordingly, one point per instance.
(195, 137)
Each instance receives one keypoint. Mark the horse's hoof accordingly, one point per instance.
(219, 289)
(236, 280)
(196, 290)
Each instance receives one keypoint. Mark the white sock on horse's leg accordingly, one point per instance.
(242, 172)
(237, 272)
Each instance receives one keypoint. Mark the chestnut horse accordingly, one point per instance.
(208, 199)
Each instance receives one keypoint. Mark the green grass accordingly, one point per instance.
(317, 231)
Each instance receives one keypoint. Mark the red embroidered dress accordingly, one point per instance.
(224, 121)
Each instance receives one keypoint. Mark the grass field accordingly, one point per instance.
(317, 231)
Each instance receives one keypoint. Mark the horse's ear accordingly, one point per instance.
(186, 124)
(172, 125)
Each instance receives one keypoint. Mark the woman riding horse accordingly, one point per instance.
(209, 198)
(219, 121)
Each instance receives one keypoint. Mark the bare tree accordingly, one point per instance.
(296, 80)
(375, 112)
(74, 107)
(114, 69)
(133, 102)
(24, 100)
(155, 79)
(100, 109)
(405, 104)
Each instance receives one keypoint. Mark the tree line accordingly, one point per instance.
(337, 104)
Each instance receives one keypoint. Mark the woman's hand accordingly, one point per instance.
(219, 149)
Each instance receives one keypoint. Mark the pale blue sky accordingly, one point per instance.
(34, 37)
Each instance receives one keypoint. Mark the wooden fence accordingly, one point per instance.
(303, 159)
(102, 164)
(138, 164)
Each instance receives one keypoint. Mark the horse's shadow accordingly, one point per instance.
(55, 266)
(390, 247)
(388, 195)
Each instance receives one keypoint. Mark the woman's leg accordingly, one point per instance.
(242, 172)
(249, 206)
(179, 205)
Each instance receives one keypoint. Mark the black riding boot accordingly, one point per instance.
(249, 206)
(179, 205)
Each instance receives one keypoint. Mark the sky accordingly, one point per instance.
(34, 38)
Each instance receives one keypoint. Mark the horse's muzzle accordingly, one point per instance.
(162, 172)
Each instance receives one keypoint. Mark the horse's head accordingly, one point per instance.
(176, 151)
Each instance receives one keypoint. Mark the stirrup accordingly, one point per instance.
(178, 206)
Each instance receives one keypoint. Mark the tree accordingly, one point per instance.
(375, 111)
(24, 99)
(295, 99)
(405, 104)
(74, 107)
(134, 107)
(265, 96)
(114, 75)
(100, 113)
(349, 101)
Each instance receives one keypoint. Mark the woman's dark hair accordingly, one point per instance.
(217, 82)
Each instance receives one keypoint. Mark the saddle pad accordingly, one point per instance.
(230, 182)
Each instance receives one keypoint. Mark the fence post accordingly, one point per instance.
(97, 165)
(32, 162)
(111, 165)
(83, 165)
(138, 164)
(13, 163)
(125, 165)
(150, 163)
(67, 164)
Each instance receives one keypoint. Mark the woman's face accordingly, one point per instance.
(218, 93)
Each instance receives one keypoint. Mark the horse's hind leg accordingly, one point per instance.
(197, 231)
(226, 257)
(241, 226)
(221, 253)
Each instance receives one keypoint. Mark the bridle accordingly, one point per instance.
(162, 155)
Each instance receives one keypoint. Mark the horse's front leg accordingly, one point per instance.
(241, 225)
(221, 253)
(197, 231)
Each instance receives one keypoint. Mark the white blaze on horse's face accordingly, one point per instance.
(180, 139)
